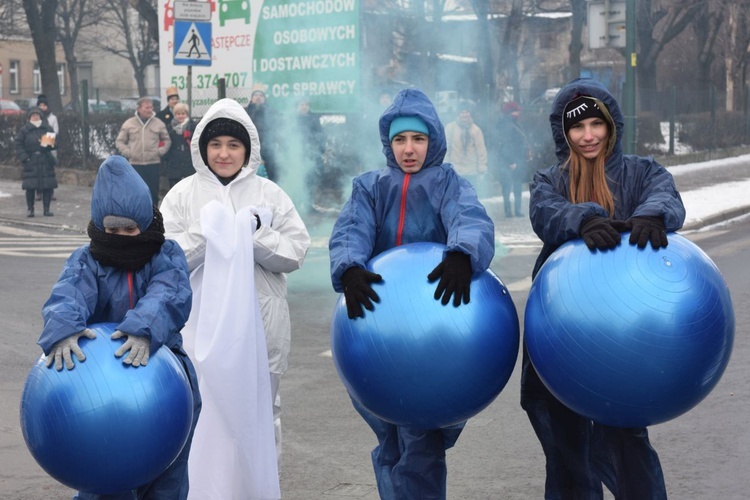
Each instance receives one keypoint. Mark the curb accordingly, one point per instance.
(60, 227)
(716, 218)
(692, 226)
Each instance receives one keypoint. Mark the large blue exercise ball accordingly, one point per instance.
(105, 427)
(415, 362)
(629, 337)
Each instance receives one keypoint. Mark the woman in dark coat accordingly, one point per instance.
(36, 157)
(179, 159)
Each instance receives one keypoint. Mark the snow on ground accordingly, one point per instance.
(700, 204)
(677, 170)
(712, 200)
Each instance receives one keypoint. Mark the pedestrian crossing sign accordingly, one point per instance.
(192, 43)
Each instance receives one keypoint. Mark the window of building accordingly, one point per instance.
(13, 74)
(37, 79)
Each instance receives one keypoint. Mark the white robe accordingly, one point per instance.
(233, 455)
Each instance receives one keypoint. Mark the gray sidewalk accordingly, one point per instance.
(72, 207)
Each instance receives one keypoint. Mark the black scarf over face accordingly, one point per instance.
(127, 252)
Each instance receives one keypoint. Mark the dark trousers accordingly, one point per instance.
(151, 175)
(581, 455)
(410, 463)
(46, 198)
(516, 187)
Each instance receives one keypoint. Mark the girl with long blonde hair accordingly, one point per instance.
(595, 192)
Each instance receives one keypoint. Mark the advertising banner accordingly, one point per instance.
(295, 48)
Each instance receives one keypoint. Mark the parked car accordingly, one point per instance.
(26, 104)
(8, 107)
(98, 106)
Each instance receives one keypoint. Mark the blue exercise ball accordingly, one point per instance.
(629, 337)
(105, 427)
(415, 362)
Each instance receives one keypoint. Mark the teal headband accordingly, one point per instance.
(404, 123)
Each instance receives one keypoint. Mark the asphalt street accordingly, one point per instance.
(326, 444)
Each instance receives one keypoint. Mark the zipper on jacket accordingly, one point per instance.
(402, 210)
(130, 288)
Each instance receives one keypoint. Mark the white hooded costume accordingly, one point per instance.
(279, 246)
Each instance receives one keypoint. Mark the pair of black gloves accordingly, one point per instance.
(455, 279)
(602, 233)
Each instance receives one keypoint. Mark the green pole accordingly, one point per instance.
(629, 144)
(672, 125)
(85, 121)
(222, 88)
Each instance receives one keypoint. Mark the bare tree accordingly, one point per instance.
(484, 52)
(510, 44)
(706, 26)
(148, 13)
(73, 16)
(40, 15)
(578, 7)
(735, 50)
(12, 19)
(134, 43)
(657, 23)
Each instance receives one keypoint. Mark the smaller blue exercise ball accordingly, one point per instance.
(105, 427)
(629, 337)
(415, 362)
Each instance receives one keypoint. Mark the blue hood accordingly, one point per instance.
(120, 191)
(591, 88)
(413, 102)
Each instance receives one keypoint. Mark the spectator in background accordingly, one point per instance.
(466, 149)
(307, 175)
(312, 136)
(43, 104)
(144, 140)
(509, 157)
(34, 150)
(47, 114)
(266, 122)
(167, 114)
(179, 160)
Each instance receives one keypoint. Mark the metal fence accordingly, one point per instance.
(671, 121)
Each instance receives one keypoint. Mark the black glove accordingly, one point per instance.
(455, 278)
(647, 229)
(358, 292)
(602, 233)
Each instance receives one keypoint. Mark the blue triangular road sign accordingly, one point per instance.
(192, 43)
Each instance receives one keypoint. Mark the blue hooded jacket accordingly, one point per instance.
(158, 302)
(640, 186)
(434, 204)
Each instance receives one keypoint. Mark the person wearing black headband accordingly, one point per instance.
(129, 275)
(595, 192)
